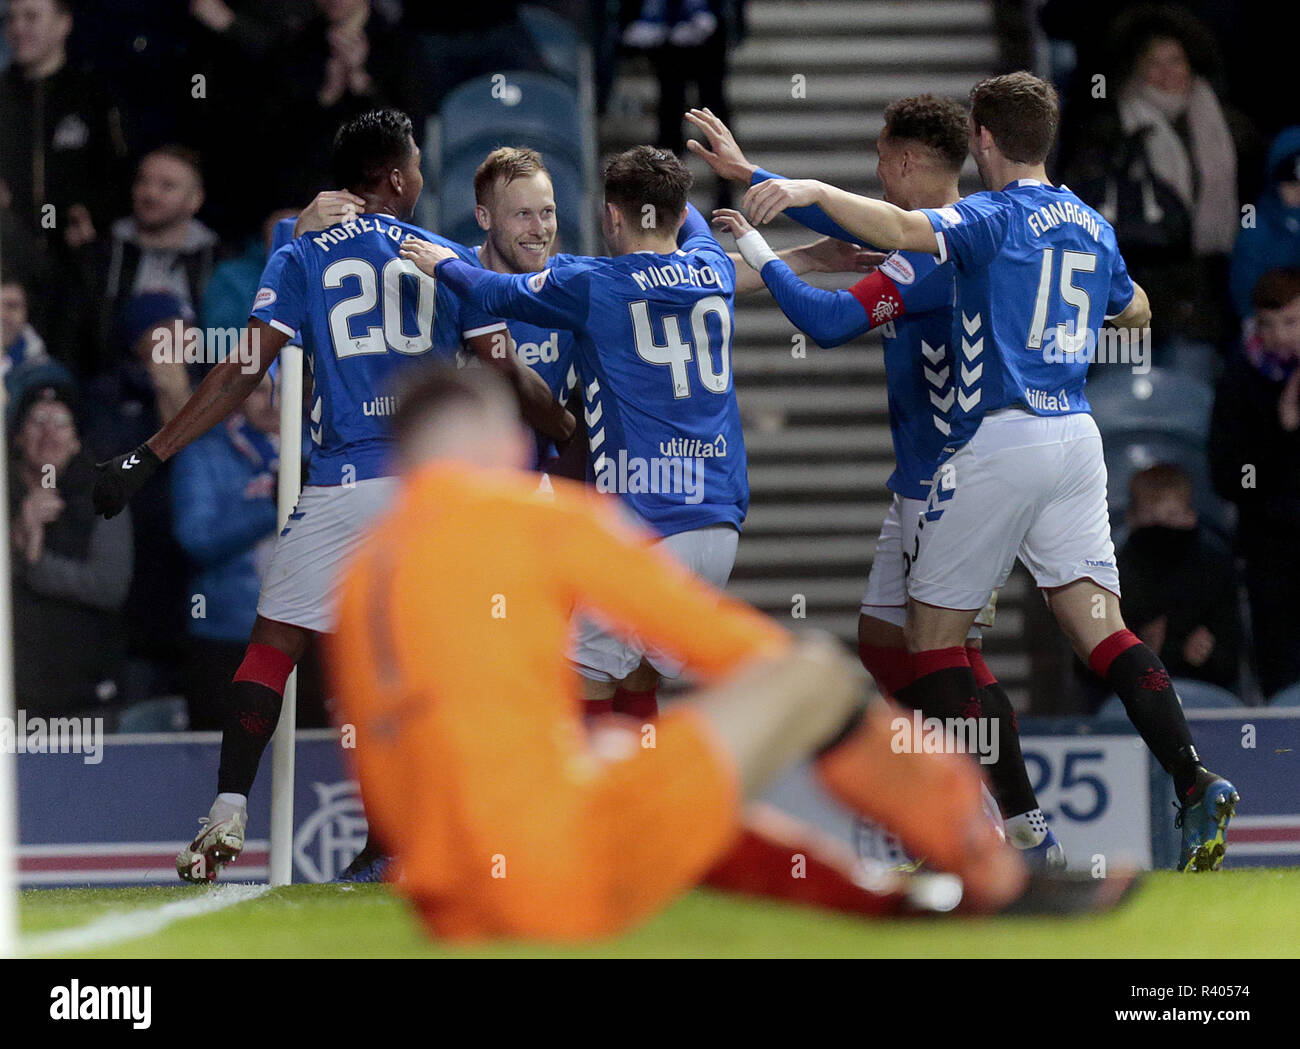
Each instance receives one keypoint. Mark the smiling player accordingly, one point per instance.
(363, 314)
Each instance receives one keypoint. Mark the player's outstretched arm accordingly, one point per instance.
(727, 160)
(723, 154)
(875, 222)
(224, 389)
(826, 255)
(495, 349)
(830, 317)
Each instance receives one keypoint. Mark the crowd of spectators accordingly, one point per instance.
(1174, 128)
(146, 152)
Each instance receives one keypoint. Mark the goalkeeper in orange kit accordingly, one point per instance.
(505, 815)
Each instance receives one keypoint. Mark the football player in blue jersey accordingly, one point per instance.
(652, 329)
(921, 150)
(515, 208)
(1038, 276)
(364, 314)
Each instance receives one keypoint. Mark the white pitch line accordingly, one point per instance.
(120, 926)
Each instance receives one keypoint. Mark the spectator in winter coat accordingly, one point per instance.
(1272, 240)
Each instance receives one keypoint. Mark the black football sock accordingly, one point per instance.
(251, 717)
(1008, 774)
(1141, 681)
(944, 686)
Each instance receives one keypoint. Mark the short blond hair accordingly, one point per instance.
(505, 164)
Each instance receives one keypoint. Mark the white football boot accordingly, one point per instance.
(220, 841)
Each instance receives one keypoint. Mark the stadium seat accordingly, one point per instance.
(556, 39)
(1201, 695)
(523, 109)
(1288, 697)
(167, 714)
(1112, 710)
(1161, 401)
(456, 203)
(1195, 695)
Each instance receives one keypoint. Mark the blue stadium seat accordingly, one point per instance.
(456, 202)
(168, 714)
(1288, 697)
(1112, 710)
(523, 109)
(1201, 695)
(556, 39)
(1195, 695)
(1162, 401)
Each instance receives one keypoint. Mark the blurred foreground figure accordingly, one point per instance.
(507, 817)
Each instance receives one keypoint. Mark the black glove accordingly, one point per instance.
(119, 479)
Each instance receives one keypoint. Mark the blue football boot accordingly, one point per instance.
(1204, 818)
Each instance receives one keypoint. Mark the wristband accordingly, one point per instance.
(755, 250)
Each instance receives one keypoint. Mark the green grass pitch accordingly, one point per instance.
(1245, 913)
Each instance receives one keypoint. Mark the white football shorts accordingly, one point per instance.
(709, 553)
(1024, 485)
(302, 580)
(896, 548)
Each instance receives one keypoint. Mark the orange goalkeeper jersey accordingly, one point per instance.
(473, 760)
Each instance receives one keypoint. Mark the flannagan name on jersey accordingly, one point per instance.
(1049, 216)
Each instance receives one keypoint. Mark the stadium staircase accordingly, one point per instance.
(817, 426)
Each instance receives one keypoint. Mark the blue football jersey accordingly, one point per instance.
(1038, 273)
(919, 369)
(363, 314)
(549, 351)
(653, 343)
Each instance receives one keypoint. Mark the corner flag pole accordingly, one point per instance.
(282, 754)
(8, 762)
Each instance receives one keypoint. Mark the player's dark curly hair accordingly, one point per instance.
(369, 146)
(939, 123)
(645, 176)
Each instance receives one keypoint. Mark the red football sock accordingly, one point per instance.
(644, 705)
(796, 869)
(265, 665)
(593, 708)
(983, 675)
(891, 667)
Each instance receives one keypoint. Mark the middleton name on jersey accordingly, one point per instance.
(672, 274)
